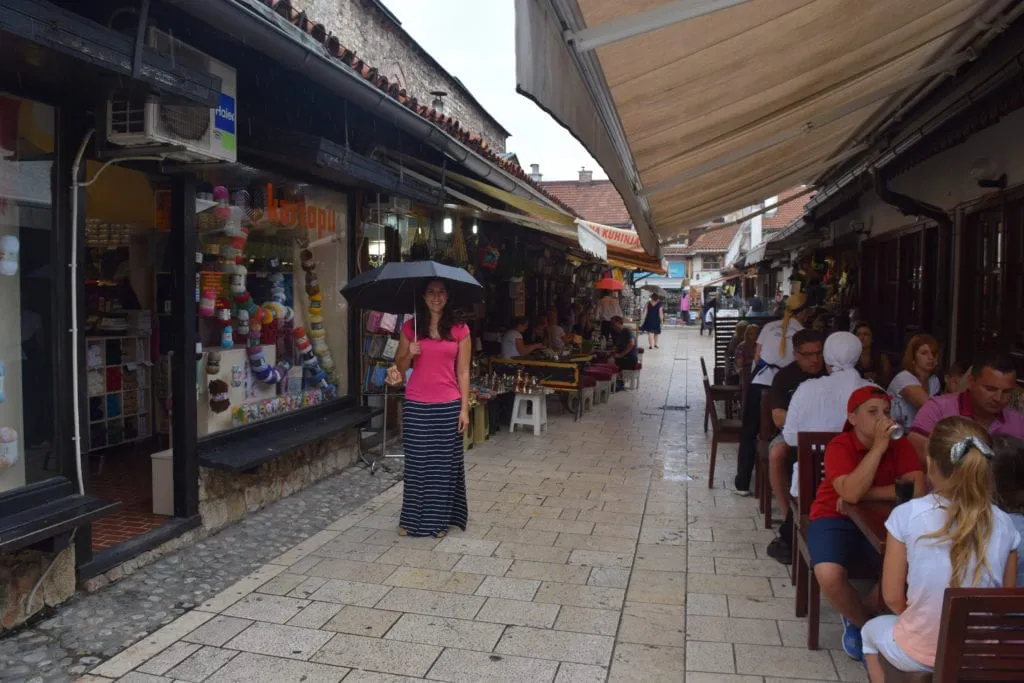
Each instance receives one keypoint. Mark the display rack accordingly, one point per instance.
(120, 390)
(376, 443)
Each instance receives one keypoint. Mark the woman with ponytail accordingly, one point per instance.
(774, 351)
(954, 537)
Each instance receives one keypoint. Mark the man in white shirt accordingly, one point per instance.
(513, 345)
(774, 352)
(607, 308)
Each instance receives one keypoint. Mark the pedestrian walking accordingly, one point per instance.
(436, 413)
(684, 307)
(654, 316)
(705, 320)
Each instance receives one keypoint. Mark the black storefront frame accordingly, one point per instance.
(188, 449)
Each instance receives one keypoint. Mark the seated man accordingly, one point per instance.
(810, 364)
(990, 386)
(819, 405)
(513, 345)
(556, 335)
(624, 341)
(861, 464)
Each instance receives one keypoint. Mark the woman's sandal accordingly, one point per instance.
(402, 532)
(440, 534)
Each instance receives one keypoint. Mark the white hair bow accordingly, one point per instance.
(960, 448)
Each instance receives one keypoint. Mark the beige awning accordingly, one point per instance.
(698, 108)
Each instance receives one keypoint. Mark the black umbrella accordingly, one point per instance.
(394, 287)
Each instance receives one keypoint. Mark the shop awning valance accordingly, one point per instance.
(698, 108)
(535, 216)
(617, 237)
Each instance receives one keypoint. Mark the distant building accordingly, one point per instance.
(594, 200)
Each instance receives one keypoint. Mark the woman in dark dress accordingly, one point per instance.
(654, 315)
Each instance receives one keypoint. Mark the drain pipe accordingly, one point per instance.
(907, 205)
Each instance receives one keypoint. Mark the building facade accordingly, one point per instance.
(213, 367)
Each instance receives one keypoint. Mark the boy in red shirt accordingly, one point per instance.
(861, 464)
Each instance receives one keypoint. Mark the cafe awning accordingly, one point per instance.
(698, 108)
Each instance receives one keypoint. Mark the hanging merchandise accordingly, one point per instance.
(237, 375)
(9, 249)
(317, 331)
(262, 370)
(219, 400)
(213, 363)
(8, 447)
(314, 372)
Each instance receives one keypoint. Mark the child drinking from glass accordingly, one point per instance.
(952, 537)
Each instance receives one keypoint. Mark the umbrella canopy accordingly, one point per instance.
(655, 289)
(609, 283)
(394, 287)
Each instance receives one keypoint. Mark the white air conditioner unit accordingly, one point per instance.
(205, 134)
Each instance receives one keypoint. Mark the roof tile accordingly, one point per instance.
(596, 200)
(369, 73)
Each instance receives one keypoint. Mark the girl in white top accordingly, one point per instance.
(775, 343)
(952, 537)
(917, 383)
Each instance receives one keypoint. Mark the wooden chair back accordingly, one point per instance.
(982, 635)
(712, 408)
(745, 385)
(810, 466)
(704, 370)
(767, 429)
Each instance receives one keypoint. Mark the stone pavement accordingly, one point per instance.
(595, 552)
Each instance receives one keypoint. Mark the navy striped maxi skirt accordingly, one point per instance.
(434, 497)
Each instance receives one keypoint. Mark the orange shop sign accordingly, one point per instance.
(316, 220)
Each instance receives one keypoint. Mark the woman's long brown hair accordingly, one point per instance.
(968, 526)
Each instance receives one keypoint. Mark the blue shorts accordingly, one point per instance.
(837, 540)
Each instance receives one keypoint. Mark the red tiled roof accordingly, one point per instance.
(370, 73)
(787, 213)
(713, 241)
(597, 200)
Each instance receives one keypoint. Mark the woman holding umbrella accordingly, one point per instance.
(436, 414)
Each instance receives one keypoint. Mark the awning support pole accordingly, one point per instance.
(637, 24)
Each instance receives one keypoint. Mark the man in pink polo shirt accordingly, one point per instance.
(990, 386)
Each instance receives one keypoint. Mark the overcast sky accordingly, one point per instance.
(475, 41)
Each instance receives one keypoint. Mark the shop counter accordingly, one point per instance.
(564, 377)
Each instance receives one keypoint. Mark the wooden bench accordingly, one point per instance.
(981, 638)
(43, 515)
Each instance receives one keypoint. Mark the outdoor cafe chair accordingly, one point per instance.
(722, 431)
(810, 471)
(727, 393)
(981, 638)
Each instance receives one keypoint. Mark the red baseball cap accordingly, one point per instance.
(861, 396)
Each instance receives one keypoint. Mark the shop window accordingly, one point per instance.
(26, 289)
(273, 325)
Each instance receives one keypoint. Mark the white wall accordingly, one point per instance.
(944, 180)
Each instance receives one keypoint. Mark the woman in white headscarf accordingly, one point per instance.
(819, 405)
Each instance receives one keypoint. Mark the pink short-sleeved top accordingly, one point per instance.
(434, 379)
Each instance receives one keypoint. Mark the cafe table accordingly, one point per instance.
(870, 518)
